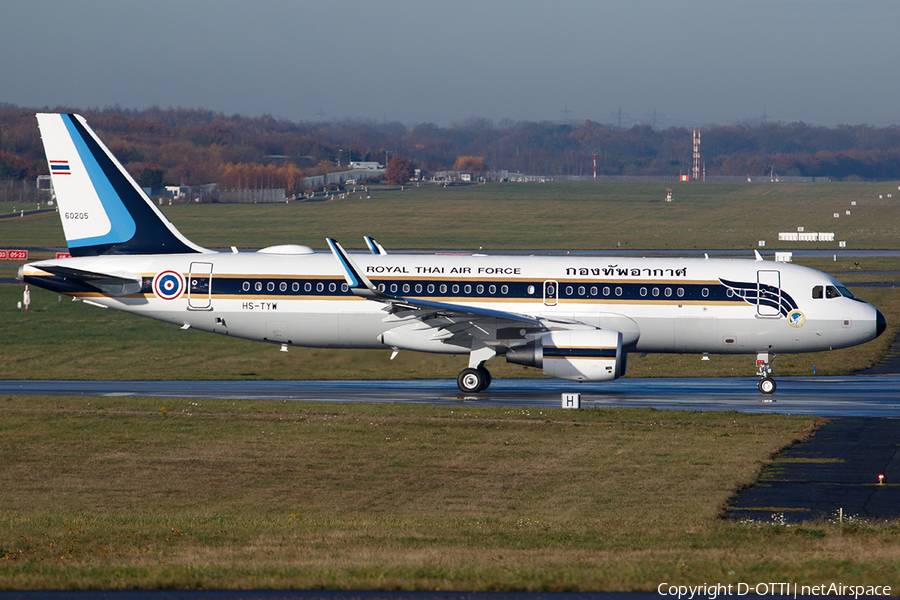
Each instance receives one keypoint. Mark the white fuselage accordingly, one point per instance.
(659, 304)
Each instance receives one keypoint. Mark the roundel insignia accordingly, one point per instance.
(168, 285)
(796, 318)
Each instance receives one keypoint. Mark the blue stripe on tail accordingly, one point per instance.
(136, 227)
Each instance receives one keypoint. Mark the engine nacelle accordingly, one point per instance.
(582, 355)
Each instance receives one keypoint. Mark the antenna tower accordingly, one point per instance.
(696, 154)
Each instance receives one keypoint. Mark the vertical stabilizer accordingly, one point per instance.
(103, 210)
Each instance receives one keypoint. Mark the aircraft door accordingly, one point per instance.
(200, 286)
(551, 293)
(768, 293)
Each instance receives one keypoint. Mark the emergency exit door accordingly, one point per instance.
(200, 286)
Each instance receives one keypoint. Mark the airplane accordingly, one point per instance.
(575, 318)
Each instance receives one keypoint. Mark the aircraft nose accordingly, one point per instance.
(880, 323)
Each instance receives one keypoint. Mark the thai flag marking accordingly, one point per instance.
(60, 167)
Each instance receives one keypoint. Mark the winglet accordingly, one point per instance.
(359, 283)
(374, 247)
(757, 254)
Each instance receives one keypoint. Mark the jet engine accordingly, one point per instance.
(581, 355)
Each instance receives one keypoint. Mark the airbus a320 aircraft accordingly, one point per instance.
(575, 318)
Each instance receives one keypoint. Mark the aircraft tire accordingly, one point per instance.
(487, 377)
(767, 385)
(471, 381)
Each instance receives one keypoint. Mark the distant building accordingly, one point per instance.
(366, 166)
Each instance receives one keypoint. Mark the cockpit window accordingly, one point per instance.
(831, 291)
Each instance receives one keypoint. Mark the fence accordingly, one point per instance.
(23, 192)
(341, 177)
(251, 196)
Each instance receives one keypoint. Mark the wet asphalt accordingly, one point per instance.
(832, 476)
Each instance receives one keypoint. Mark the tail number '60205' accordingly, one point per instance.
(76, 215)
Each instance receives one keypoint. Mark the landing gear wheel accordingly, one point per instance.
(487, 378)
(472, 381)
(766, 385)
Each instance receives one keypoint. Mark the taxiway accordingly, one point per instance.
(853, 396)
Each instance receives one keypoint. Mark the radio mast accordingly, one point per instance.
(696, 154)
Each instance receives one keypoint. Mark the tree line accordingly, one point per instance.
(178, 146)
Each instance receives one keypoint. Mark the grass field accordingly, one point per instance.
(567, 216)
(121, 493)
(132, 492)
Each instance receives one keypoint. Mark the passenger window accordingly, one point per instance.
(817, 292)
(504, 289)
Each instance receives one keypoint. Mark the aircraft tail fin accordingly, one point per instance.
(103, 210)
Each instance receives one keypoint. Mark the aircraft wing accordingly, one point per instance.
(363, 287)
(118, 283)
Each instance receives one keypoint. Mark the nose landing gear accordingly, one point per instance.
(766, 383)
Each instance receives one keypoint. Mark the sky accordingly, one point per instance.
(689, 62)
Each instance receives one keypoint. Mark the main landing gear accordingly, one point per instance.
(474, 380)
(766, 383)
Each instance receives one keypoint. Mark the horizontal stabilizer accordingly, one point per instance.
(118, 283)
